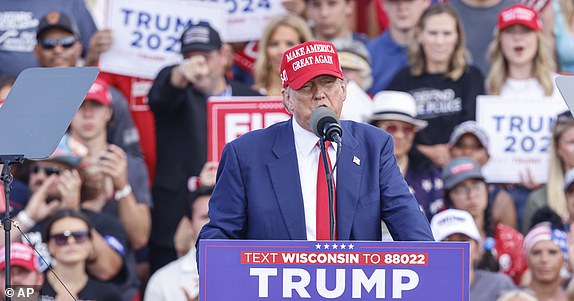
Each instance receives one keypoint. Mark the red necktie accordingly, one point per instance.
(323, 198)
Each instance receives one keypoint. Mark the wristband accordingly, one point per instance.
(25, 220)
(193, 184)
(122, 193)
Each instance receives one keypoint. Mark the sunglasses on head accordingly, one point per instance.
(564, 117)
(62, 239)
(66, 42)
(48, 170)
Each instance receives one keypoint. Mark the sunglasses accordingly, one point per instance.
(48, 170)
(66, 42)
(62, 239)
(406, 130)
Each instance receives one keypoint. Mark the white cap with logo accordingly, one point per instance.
(453, 221)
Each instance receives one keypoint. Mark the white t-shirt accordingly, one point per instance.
(529, 89)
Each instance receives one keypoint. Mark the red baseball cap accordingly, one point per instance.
(21, 255)
(99, 92)
(519, 14)
(305, 61)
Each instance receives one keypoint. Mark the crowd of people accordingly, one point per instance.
(116, 210)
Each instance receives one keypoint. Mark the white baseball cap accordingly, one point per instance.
(453, 221)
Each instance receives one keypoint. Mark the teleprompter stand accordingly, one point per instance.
(34, 117)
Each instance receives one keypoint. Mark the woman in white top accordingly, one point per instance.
(520, 65)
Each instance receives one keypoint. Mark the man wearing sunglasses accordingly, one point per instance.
(55, 183)
(59, 45)
(18, 21)
(57, 41)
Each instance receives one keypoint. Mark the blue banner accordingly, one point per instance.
(293, 270)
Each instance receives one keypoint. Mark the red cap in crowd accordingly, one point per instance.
(305, 61)
(519, 14)
(21, 255)
(99, 92)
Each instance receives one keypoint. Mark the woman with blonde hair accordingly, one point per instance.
(561, 160)
(440, 79)
(520, 66)
(546, 252)
(280, 34)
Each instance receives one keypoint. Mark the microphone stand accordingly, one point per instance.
(330, 188)
(7, 178)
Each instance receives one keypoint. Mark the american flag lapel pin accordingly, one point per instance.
(357, 161)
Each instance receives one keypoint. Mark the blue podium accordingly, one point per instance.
(327, 270)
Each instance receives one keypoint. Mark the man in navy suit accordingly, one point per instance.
(267, 179)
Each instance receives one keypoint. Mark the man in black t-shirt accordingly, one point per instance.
(178, 100)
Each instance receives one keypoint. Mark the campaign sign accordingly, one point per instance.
(342, 270)
(520, 133)
(146, 33)
(246, 19)
(231, 117)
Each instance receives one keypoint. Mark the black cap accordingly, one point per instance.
(200, 37)
(58, 20)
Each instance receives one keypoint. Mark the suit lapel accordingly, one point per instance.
(284, 174)
(349, 171)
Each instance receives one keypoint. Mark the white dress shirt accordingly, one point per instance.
(307, 161)
(167, 283)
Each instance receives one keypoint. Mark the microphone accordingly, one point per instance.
(325, 124)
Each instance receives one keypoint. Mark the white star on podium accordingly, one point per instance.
(335, 246)
(326, 246)
(318, 246)
(351, 246)
(343, 246)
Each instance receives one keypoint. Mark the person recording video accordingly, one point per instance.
(270, 183)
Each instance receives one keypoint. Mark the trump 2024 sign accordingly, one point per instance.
(343, 270)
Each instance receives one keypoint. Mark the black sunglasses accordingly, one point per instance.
(62, 239)
(48, 170)
(66, 42)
